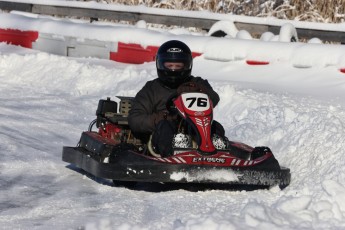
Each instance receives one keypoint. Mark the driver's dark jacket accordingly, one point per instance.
(152, 98)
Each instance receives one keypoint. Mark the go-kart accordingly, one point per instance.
(112, 152)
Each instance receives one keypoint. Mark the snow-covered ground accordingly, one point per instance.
(48, 100)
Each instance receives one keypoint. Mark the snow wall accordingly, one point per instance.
(137, 44)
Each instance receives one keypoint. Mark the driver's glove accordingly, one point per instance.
(163, 115)
(191, 87)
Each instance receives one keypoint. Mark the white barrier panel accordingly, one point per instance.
(74, 47)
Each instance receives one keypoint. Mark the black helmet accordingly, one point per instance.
(174, 51)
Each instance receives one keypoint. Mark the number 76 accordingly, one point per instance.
(200, 101)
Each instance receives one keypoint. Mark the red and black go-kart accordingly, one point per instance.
(113, 153)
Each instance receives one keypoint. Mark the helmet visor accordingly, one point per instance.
(174, 66)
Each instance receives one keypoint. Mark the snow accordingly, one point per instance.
(48, 100)
(213, 175)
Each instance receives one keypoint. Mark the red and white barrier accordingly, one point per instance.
(67, 46)
(138, 45)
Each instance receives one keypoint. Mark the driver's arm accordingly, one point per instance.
(149, 108)
(141, 115)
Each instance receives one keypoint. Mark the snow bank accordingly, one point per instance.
(268, 49)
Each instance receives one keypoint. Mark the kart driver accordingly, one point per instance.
(149, 114)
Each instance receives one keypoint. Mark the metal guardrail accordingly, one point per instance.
(94, 14)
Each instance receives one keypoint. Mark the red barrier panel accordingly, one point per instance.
(342, 70)
(195, 54)
(253, 62)
(133, 53)
(18, 37)
(136, 54)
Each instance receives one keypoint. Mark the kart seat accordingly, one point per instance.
(125, 105)
(121, 116)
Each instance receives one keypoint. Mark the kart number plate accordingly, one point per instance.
(197, 102)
